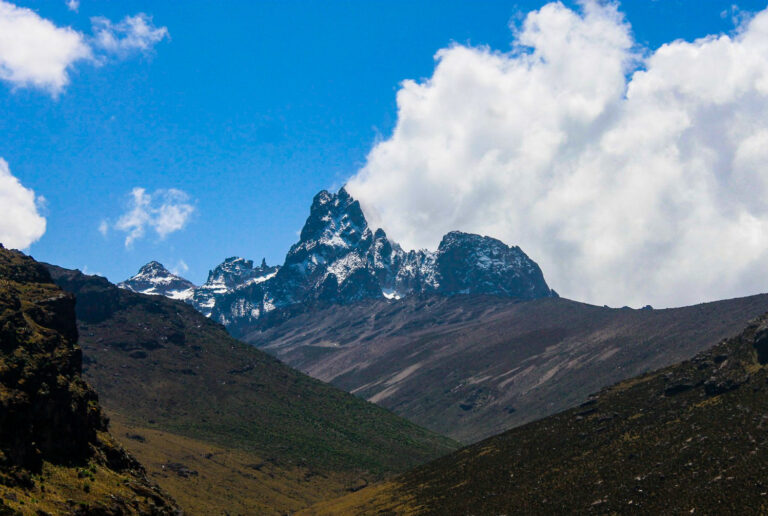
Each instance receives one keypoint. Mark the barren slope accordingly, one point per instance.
(473, 366)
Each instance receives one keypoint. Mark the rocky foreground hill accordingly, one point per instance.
(56, 454)
(688, 439)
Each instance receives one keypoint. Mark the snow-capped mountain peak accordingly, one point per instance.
(481, 264)
(154, 279)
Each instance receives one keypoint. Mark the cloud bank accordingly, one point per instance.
(163, 211)
(35, 53)
(20, 224)
(631, 176)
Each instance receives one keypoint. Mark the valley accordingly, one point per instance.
(176, 378)
(686, 439)
(384, 258)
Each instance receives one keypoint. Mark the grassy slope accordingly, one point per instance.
(159, 364)
(474, 366)
(688, 439)
(78, 487)
(209, 479)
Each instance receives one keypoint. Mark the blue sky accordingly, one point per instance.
(248, 107)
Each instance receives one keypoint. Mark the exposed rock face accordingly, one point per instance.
(232, 273)
(50, 419)
(339, 259)
(46, 410)
(467, 263)
(154, 279)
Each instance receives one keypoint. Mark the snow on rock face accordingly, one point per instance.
(330, 262)
(232, 273)
(339, 259)
(154, 279)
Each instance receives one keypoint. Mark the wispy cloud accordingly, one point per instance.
(73, 5)
(133, 33)
(631, 179)
(163, 212)
(180, 268)
(35, 53)
(21, 223)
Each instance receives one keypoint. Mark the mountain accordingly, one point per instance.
(222, 425)
(340, 260)
(56, 454)
(472, 366)
(687, 439)
(232, 273)
(154, 279)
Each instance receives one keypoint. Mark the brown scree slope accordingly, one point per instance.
(472, 366)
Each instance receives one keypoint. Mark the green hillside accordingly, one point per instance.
(159, 364)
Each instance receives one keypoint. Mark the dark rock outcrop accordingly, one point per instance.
(50, 419)
(46, 409)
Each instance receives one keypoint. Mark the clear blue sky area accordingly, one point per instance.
(251, 107)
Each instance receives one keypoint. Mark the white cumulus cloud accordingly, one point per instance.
(632, 176)
(163, 211)
(34, 52)
(20, 221)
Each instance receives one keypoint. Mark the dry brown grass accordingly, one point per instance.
(227, 481)
(380, 499)
(62, 489)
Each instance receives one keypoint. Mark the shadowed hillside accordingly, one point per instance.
(474, 366)
(166, 371)
(688, 439)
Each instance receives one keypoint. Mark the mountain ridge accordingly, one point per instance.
(339, 259)
(475, 365)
